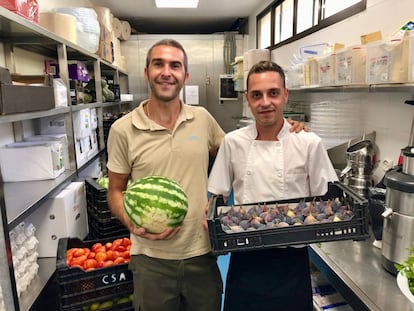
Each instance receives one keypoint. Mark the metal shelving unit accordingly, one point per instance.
(20, 199)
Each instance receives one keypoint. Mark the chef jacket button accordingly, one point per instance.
(279, 174)
(249, 172)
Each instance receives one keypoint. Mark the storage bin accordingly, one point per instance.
(79, 289)
(326, 66)
(311, 72)
(354, 229)
(350, 65)
(295, 76)
(102, 223)
(23, 98)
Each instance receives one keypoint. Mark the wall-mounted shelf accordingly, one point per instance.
(370, 88)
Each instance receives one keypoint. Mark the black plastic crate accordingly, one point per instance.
(112, 228)
(96, 195)
(102, 223)
(354, 229)
(79, 289)
(100, 215)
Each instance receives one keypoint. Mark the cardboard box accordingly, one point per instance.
(106, 47)
(62, 138)
(65, 215)
(82, 125)
(25, 161)
(24, 98)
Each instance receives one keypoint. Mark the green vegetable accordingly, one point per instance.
(155, 203)
(103, 181)
(407, 269)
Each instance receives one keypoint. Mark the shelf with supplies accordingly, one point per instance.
(371, 88)
(22, 199)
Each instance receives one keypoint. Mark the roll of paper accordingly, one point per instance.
(256, 55)
(125, 31)
(64, 25)
(117, 27)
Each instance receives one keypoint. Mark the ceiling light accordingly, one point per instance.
(176, 3)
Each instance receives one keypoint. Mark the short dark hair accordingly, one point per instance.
(168, 42)
(264, 66)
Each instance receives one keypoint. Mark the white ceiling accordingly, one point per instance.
(211, 16)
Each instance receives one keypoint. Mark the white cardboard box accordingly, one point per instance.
(82, 126)
(25, 161)
(65, 215)
(54, 137)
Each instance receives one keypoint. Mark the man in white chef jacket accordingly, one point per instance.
(266, 162)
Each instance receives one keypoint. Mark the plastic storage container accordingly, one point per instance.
(79, 289)
(295, 76)
(350, 65)
(353, 229)
(326, 70)
(102, 223)
(311, 72)
(390, 61)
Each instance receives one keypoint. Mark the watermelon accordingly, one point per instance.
(103, 181)
(155, 203)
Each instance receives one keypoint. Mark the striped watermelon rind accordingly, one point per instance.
(155, 203)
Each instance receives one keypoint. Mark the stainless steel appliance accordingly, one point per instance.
(360, 159)
(398, 231)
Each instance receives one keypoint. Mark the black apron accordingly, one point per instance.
(275, 279)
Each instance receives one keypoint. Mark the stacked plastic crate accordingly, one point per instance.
(102, 223)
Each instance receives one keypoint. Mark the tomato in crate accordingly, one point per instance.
(93, 272)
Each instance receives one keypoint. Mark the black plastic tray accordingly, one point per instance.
(79, 288)
(354, 229)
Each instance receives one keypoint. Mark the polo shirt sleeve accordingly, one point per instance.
(117, 148)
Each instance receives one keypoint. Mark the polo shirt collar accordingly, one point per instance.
(141, 121)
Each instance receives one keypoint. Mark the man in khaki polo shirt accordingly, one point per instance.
(173, 270)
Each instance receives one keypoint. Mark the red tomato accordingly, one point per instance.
(115, 244)
(121, 248)
(78, 252)
(126, 254)
(91, 255)
(100, 256)
(89, 263)
(108, 263)
(100, 264)
(78, 260)
(126, 242)
(119, 260)
(70, 251)
(108, 245)
(100, 249)
(96, 246)
(112, 255)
